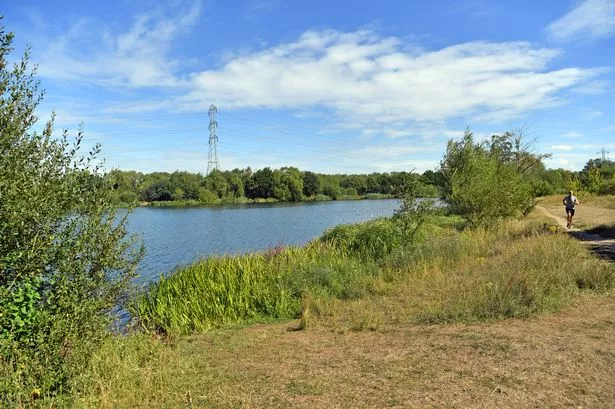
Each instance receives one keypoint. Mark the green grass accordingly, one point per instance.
(447, 274)
(377, 196)
(219, 291)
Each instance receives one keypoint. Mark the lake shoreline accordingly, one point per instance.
(241, 201)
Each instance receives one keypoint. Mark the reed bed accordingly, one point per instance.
(218, 291)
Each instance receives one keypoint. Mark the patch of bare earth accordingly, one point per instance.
(556, 361)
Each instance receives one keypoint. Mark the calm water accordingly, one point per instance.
(179, 236)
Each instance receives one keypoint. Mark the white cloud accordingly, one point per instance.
(137, 57)
(591, 18)
(561, 147)
(593, 87)
(572, 135)
(368, 79)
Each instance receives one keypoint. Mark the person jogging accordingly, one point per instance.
(570, 202)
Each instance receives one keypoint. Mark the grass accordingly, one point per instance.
(402, 324)
(175, 203)
(227, 290)
(603, 202)
(442, 275)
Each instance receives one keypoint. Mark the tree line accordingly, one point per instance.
(289, 184)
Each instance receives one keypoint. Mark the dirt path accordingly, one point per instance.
(602, 246)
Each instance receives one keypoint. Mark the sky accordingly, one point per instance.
(328, 86)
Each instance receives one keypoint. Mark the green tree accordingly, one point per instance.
(311, 184)
(332, 190)
(235, 183)
(291, 181)
(261, 184)
(594, 181)
(65, 261)
(484, 183)
(207, 196)
(128, 197)
(217, 183)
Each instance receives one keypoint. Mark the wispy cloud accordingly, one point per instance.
(561, 147)
(366, 78)
(596, 87)
(137, 57)
(571, 135)
(591, 18)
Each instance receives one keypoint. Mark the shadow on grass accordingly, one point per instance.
(604, 230)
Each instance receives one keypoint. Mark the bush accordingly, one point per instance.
(207, 196)
(608, 187)
(65, 262)
(333, 191)
(370, 240)
(128, 197)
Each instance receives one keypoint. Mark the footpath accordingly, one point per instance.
(601, 246)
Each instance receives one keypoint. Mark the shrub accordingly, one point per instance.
(207, 196)
(128, 197)
(370, 240)
(333, 191)
(64, 258)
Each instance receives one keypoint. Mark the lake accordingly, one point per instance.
(180, 236)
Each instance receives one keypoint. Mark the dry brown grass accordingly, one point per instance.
(556, 361)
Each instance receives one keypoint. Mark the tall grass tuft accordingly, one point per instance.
(533, 274)
(232, 289)
(370, 240)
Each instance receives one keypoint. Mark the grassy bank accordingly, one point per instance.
(442, 275)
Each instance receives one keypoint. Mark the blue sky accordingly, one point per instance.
(330, 86)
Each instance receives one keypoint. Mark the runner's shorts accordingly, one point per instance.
(570, 211)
